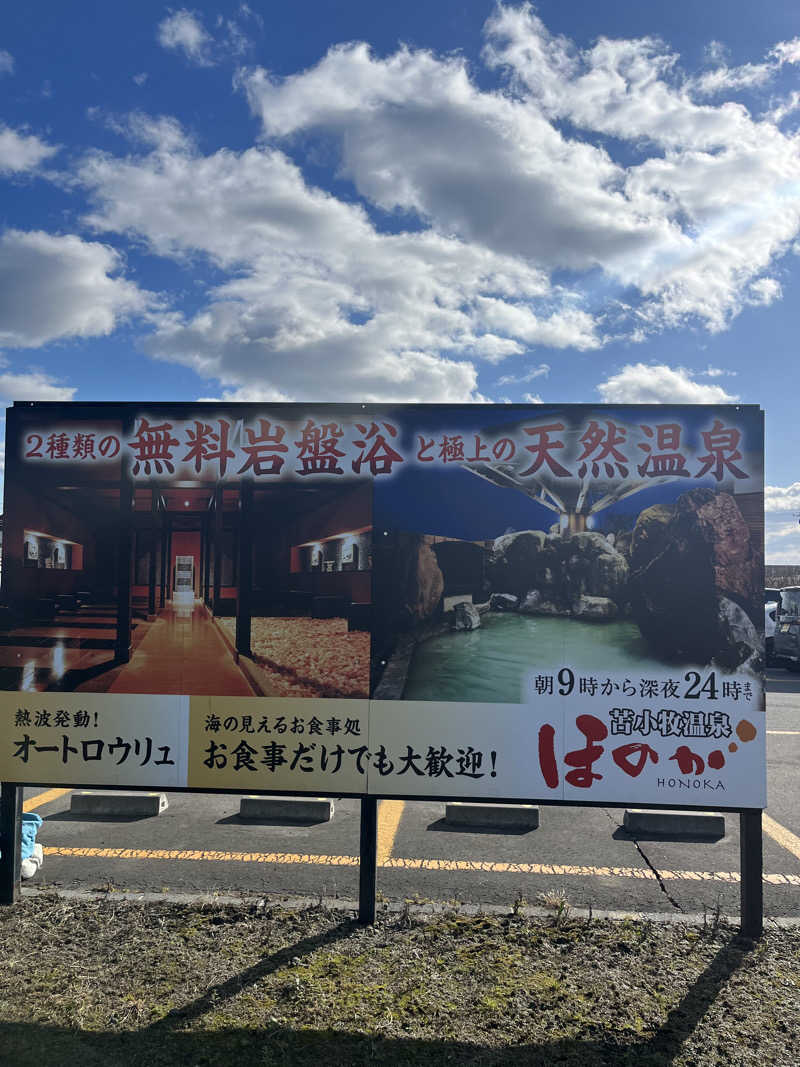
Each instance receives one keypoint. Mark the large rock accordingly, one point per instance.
(504, 602)
(740, 644)
(529, 605)
(408, 581)
(515, 562)
(561, 569)
(534, 603)
(684, 562)
(594, 607)
(427, 584)
(467, 617)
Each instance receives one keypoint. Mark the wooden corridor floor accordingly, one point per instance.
(182, 653)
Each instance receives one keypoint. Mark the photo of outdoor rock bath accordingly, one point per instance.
(505, 576)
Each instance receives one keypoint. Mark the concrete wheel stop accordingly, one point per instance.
(286, 809)
(122, 805)
(496, 816)
(674, 824)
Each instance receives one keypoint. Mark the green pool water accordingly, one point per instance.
(489, 664)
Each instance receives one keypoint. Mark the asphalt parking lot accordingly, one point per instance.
(199, 845)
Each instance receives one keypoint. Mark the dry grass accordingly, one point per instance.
(111, 983)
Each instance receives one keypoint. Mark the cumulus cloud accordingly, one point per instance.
(782, 498)
(642, 383)
(691, 225)
(662, 202)
(20, 152)
(183, 31)
(318, 298)
(31, 385)
(787, 51)
(781, 541)
(764, 291)
(61, 286)
(6, 62)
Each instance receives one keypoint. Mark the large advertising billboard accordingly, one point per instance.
(540, 602)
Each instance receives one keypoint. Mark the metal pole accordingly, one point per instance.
(10, 842)
(751, 853)
(124, 570)
(244, 593)
(217, 530)
(368, 867)
(151, 559)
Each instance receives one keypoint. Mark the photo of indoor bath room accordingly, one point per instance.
(165, 588)
(235, 567)
(112, 610)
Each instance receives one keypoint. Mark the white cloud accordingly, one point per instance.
(730, 79)
(532, 398)
(787, 51)
(20, 152)
(141, 77)
(717, 372)
(541, 371)
(782, 498)
(6, 62)
(32, 385)
(60, 286)
(781, 541)
(703, 214)
(183, 31)
(784, 108)
(764, 291)
(508, 191)
(318, 301)
(641, 383)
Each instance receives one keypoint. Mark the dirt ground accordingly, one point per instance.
(111, 982)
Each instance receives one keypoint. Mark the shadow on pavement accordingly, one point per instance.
(621, 834)
(445, 827)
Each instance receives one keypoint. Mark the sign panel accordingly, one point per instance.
(537, 602)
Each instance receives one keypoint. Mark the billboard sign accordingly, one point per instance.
(559, 603)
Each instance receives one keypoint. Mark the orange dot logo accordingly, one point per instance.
(746, 731)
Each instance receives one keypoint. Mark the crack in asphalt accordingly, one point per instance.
(646, 859)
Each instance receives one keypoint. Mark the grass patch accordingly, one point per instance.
(106, 982)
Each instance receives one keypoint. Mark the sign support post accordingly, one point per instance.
(10, 842)
(368, 866)
(751, 851)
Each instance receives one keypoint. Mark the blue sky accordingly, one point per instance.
(455, 201)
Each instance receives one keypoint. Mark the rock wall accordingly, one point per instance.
(561, 570)
(691, 565)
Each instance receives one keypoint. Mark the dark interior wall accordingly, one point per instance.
(46, 514)
(275, 538)
(146, 541)
(349, 511)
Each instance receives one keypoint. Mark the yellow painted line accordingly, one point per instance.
(44, 798)
(779, 833)
(194, 854)
(558, 869)
(389, 815)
